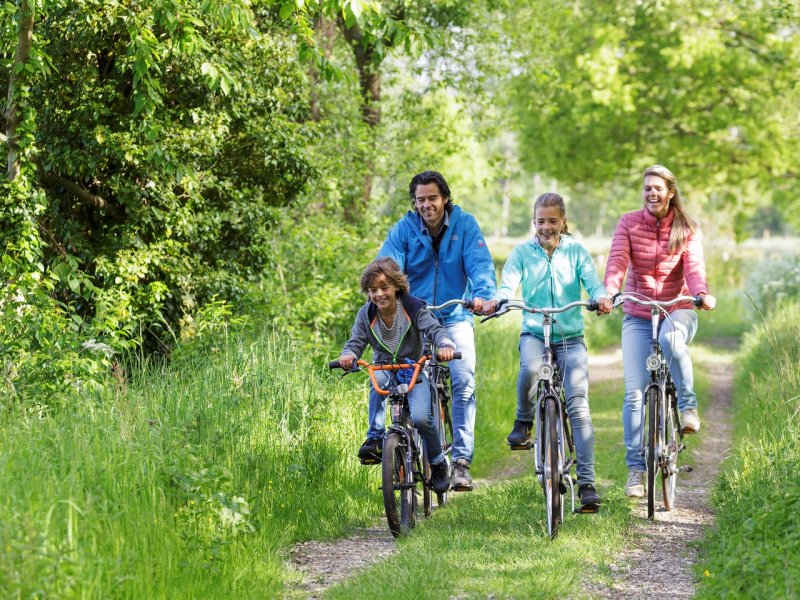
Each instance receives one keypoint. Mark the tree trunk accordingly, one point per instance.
(13, 116)
(369, 79)
(325, 30)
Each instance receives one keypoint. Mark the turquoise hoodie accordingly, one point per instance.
(551, 282)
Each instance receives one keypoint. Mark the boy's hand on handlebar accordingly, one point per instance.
(445, 354)
(709, 302)
(347, 361)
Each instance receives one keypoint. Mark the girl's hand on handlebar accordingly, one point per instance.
(346, 361)
(490, 307)
(605, 305)
(709, 302)
(445, 354)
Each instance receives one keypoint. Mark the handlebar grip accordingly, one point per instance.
(456, 355)
(698, 301)
(334, 364)
(593, 306)
(468, 304)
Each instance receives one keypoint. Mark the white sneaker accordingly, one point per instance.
(690, 420)
(635, 485)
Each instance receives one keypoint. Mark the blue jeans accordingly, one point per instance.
(462, 377)
(674, 335)
(419, 402)
(573, 362)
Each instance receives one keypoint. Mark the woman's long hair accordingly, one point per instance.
(682, 224)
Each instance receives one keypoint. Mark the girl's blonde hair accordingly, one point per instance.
(387, 267)
(549, 199)
(682, 225)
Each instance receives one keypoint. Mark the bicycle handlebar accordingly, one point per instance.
(618, 299)
(465, 303)
(505, 306)
(371, 368)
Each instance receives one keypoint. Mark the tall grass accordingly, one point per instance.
(185, 485)
(754, 549)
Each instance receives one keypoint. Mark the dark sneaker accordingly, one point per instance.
(690, 420)
(520, 435)
(590, 501)
(370, 451)
(440, 477)
(461, 481)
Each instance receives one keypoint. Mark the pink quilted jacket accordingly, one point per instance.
(641, 247)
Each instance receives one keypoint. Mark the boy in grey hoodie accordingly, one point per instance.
(393, 323)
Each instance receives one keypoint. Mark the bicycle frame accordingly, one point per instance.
(662, 420)
(550, 470)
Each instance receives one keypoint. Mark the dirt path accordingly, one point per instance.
(638, 572)
(659, 562)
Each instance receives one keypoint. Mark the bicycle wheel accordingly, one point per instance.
(444, 425)
(399, 497)
(672, 442)
(551, 481)
(653, 399)
(427, 489)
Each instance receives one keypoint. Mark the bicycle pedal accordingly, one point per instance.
(527, 446)
(685, 469)
(372, 460)
(562, 487)
(589, 509)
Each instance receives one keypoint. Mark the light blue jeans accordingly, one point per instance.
(674, 334)
(573, 362)
(462, 377)
(419, 402)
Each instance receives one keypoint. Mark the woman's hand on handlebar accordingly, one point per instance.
(489, 307)
(709, 302)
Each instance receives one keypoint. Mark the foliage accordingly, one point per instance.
(774, 281)
(160, 142)
(752, 550)
(708, 90)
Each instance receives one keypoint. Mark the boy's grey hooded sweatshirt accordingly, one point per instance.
(417, 322)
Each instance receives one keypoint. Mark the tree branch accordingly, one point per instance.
(80, 193)
(24, 41)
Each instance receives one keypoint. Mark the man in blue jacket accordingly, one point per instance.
(442, 251)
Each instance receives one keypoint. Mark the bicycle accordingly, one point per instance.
(404, 463)
(553, 444)
(664, 437)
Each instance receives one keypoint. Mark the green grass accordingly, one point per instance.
(754, 549)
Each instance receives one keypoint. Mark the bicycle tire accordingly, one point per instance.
(653, 399)
(551, 479)
(427, 486)
(672, 442)
(399, 497)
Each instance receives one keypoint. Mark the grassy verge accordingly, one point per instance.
(754, 549)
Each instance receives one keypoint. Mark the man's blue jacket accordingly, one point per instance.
(463, 268)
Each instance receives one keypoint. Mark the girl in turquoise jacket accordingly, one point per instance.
(551, 268)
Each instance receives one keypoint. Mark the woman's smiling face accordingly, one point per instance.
(656, 195)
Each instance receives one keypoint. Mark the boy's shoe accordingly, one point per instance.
(461, 481)
(635, 485)
(370, 451)
(520, 435)
(440, 477)
(590, 501)
(690, 420)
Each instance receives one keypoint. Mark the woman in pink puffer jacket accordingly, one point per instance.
(660, 249)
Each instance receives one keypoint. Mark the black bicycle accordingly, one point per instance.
(404, 463)
(662, 433)
(553, 444)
